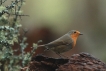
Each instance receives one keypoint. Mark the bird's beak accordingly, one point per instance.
(80, 34)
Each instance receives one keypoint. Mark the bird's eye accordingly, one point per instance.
(75, 32)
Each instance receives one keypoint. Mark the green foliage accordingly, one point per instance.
(10, 17)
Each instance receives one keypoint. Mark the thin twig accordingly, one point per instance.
(22, 50)
(17, 13)
(1, 2)
(12, 5)
(4, 1)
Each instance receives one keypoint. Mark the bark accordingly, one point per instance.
(77, 62)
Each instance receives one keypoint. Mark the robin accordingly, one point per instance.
(64, 43)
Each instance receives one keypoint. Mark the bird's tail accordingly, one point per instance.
(44, 46)
(41, 45)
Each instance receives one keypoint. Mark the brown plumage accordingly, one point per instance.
(64, 43)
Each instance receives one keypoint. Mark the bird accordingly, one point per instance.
(64, 43)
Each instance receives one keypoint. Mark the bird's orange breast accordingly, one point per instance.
(74, 38)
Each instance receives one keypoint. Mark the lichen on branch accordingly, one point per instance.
(10, 24)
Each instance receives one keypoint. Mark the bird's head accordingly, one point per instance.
(74, 35)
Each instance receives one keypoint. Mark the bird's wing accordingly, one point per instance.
(64, 40)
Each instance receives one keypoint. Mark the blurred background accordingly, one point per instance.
(50, 19)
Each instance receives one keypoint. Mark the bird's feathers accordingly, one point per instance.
(61, 44)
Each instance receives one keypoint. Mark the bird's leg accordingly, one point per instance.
(64, 56)
(59, 55)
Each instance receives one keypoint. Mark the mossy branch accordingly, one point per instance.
(9, 34)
